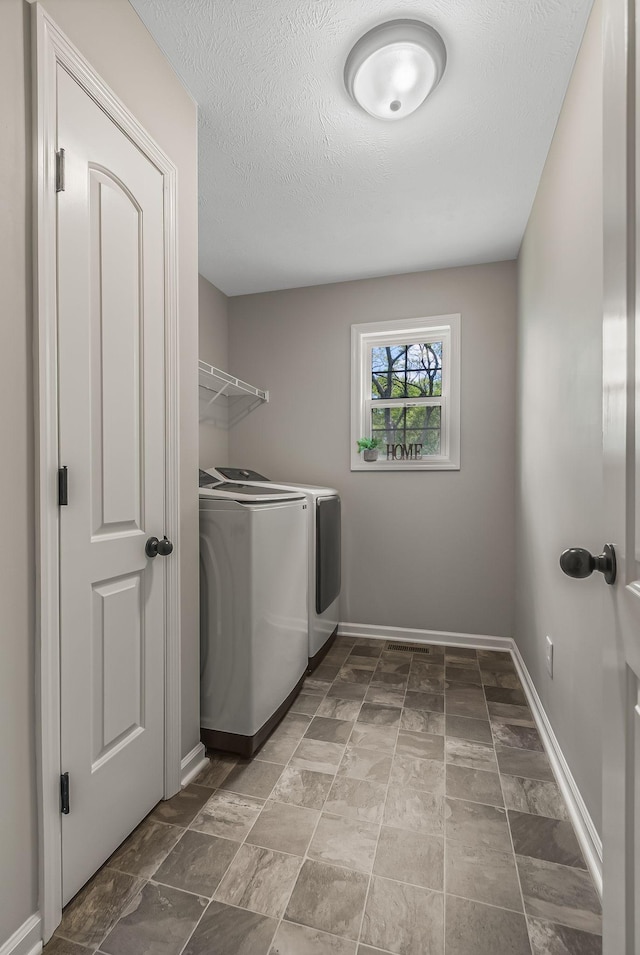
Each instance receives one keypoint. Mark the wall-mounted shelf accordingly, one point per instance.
(222, 385)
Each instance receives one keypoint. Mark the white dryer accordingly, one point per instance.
(253, 610)
(324, 562)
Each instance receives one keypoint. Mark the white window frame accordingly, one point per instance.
(444, 328)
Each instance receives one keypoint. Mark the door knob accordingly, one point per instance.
(153, 547)
(578, 562)
(165, 547)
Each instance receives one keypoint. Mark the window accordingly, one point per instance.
(405, 391)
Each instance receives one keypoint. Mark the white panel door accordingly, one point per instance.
(111, 428)
(621, 778)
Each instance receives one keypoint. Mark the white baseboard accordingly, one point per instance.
(586, 832)
(400, 634)
(590, 841)
(27, 940)
(192, 765)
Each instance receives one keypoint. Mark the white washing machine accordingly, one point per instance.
(253, 610)
(324, 565)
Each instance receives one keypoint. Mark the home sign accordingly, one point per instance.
(404, 452)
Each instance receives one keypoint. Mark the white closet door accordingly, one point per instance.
(111, 425)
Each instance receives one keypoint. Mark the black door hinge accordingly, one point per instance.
(64, 794)
(63, 486)
(60, 170)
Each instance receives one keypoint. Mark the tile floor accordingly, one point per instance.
(404, 805)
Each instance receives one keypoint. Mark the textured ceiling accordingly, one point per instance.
(300, 187)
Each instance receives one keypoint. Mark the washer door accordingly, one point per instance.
(328, 537)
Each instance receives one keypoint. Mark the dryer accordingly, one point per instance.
(324, 560)
(253, 610)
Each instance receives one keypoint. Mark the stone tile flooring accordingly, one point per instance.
(404, 805)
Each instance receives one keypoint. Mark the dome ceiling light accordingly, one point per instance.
(392, 69)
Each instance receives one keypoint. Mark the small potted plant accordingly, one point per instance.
(370, 448)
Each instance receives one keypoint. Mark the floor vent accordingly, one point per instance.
(410, 648)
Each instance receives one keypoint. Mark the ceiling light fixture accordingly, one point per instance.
(392, 69)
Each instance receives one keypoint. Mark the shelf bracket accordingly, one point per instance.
(222, 391)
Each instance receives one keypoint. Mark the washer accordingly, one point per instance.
(253, 610)
(324, 555)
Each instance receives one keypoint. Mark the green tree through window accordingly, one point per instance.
(408, 371)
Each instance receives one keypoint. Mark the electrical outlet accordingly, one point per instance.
(549, 655)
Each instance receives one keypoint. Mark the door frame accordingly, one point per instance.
(50, 49)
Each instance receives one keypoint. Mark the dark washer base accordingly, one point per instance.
(322, 652)
(248, 746)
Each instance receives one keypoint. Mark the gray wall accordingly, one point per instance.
(213, 347)
(428, 550)
(114, 40)
(560, 491)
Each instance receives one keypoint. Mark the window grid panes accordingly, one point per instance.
(417, 425)
(400, 371)
(412, 370)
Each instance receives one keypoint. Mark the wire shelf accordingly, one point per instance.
(220, 384)
(216, 384)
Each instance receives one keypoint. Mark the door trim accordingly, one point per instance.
(51, 48)
(192, 765)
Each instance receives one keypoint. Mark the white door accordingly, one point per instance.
(621, 777)
(111, 439)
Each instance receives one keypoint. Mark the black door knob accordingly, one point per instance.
(153, 547)
(578, 562)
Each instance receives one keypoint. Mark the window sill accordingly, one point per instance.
(382, 466)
